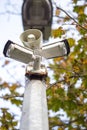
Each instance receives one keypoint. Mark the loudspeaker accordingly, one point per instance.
(31, 38)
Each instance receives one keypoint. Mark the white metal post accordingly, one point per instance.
(34, 113)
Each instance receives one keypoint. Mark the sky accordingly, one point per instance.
(11, 28)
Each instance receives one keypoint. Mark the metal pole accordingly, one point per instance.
(34, 113)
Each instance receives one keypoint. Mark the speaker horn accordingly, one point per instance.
(31, 38)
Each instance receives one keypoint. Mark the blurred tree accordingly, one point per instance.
(68, 95)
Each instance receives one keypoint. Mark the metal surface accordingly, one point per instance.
(34, 113)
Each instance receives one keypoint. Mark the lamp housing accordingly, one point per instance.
(38, 14)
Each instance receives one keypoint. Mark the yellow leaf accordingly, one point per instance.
(58, 32)
(71, 42)
(76, 69)
(58, 59)
(64, 64)
(5, 84)
(67, 79)
(85, 61)
(57, 12)
(6, 63)
(13, 87)
(81, 97)
(60, 129)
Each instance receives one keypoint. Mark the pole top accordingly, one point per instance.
(40, 74)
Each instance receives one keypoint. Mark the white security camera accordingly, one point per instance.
(33, 50)
(19, 53)
(56, 49)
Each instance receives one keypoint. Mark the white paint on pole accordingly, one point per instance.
(34, 113)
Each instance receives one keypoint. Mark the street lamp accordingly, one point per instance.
(34, 113)
(38, 14)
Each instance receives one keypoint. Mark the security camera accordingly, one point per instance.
(19, 53)
(56, 49)
(33, 50)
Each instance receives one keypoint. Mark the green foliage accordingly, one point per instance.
(7, 120)
(70, 91)
(58, 32)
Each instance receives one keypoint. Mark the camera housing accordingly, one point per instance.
(19, 53)
(33, 50)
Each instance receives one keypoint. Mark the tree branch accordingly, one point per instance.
(63, 80)
(6, 97)
(9, 12)
(63, 123)
(71, 17)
